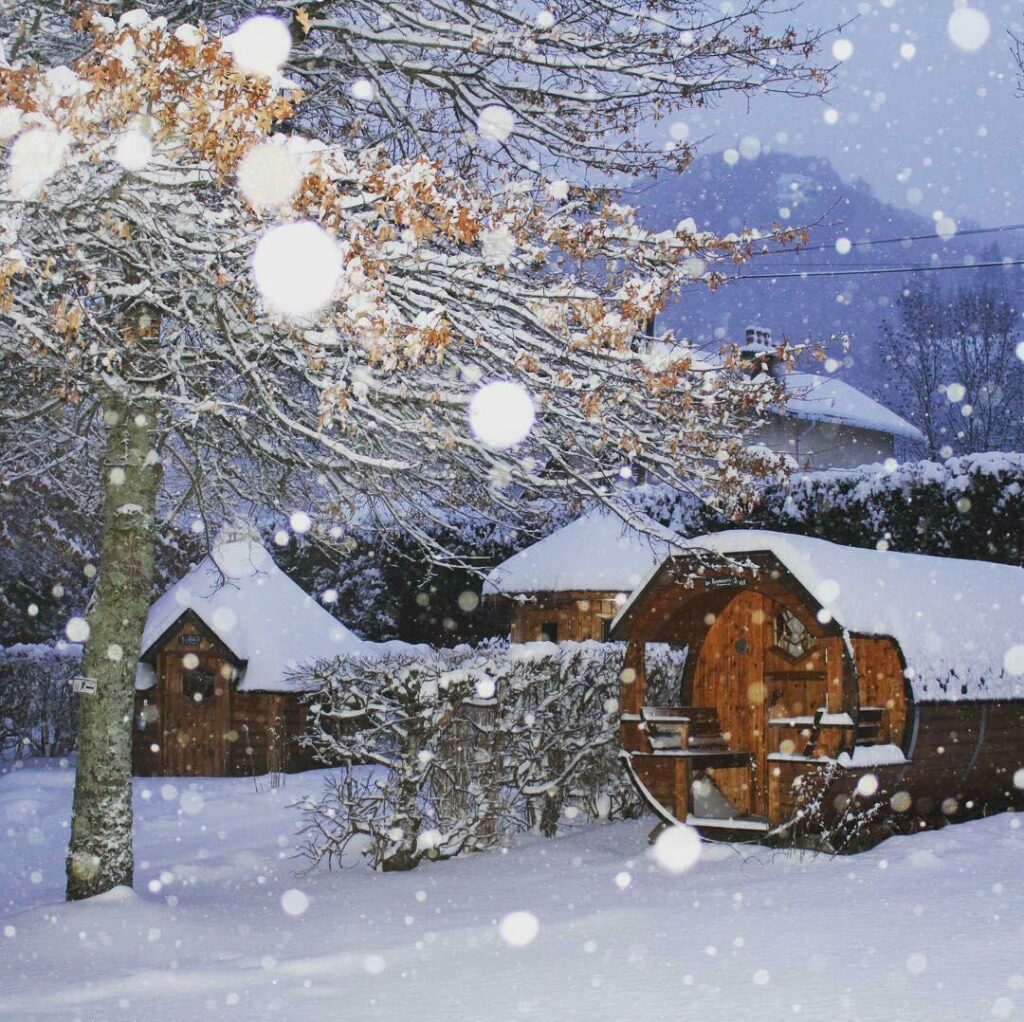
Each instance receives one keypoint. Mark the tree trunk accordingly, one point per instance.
(100, 856)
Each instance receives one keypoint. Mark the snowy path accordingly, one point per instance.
(930, 927)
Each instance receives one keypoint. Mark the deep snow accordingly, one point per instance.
(928, 927)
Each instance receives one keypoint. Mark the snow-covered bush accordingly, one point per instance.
(470, 744)
(971, 506)
(37, 708)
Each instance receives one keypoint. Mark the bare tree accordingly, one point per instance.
(953, 367)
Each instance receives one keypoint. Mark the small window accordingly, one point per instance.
(549, 631)
(197, 684)
(792, 636)
(606, 629)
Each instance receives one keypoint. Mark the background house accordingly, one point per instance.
(826, 422)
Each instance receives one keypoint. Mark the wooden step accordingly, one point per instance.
(869, 724)
(752, 823)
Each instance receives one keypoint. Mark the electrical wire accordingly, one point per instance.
(804, 274)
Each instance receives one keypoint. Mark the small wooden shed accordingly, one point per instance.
(570, 585)
(213, 695)
(827, 689)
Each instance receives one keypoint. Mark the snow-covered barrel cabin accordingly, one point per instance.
(875, 685)
(215, 692)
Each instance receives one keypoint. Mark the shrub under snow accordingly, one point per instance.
(469, 744)
(38, 714)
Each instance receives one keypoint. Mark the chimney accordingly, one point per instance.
(759, 351)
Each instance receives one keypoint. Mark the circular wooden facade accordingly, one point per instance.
(788, 728)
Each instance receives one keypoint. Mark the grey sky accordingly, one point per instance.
(938, 131)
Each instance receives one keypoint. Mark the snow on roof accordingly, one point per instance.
(959, 623)
(596, 552)
(827, 398)
(258, 612)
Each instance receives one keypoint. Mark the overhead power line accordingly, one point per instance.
(868, 242)
(804, 274)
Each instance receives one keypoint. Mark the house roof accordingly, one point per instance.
(829, 399)
(264, 619)
(597, 552)
(958, 623)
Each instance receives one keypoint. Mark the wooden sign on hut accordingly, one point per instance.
(215, 694)
(852, 693)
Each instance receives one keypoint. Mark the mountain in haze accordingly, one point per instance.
(807, 192)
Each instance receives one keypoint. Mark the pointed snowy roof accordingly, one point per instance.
(959, 623)
(597, 552)
(265, 620)
(829, 399)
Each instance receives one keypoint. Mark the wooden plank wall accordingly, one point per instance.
(580, 616)
(881, 683)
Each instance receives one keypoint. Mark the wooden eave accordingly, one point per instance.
(700, 576)
(149, 654)
(555, 595)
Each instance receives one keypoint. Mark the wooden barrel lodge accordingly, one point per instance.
(832, 696)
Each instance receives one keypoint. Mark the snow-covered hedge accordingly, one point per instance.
(470, 744)
(38, 714)
(970, 506)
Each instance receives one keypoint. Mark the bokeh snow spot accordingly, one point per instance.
(191, 802)
(260, 45)
(300, 522)
(77, 629)
(269, 175)
(1013, 661)
(495, 123)
(842, 49)
(501, 413)
(677, 848)
(969, 28)
(917, 963)
(518, 929)
(867, 785)
(373, 964)
(35, 158)
(294, 902)
(133, 150)
(362, 90)
(296, 268)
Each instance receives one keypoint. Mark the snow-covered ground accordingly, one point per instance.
(929, 927)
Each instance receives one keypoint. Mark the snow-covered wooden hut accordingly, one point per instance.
(570, 585)
(819, 673)
(213, 689)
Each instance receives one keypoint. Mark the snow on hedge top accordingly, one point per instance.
(597, 552)
(258, 612)
(827, 399)
(959, 623)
